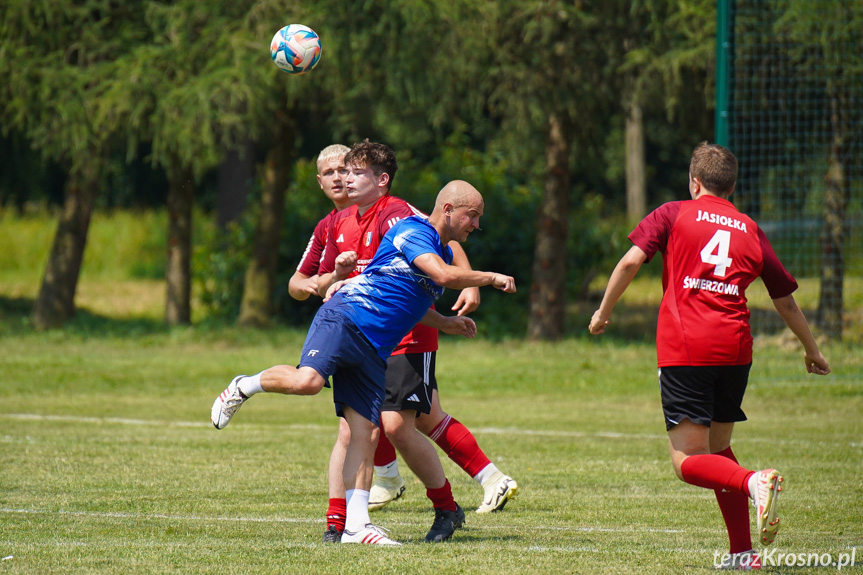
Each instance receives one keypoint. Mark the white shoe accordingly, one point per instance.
(227, 404)
(384, 490)
(768, 484)
(368, 535)
(499, 489)
(743, 561)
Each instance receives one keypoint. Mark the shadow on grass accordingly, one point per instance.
(16, 318)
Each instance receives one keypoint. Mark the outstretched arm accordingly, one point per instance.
(796, 321)
(620, 279)
(454, 277)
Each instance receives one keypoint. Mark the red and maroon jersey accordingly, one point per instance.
(311, 260)
(710, 255)
(350, 231)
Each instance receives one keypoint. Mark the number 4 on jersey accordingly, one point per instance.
(716, 252)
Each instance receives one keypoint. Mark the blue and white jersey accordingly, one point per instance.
(392, 295)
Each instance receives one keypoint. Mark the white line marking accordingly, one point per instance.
(512, 431)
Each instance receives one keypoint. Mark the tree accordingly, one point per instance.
(554, 92)
(257, 302)
(665, 46)
(54, 62)
(824, 42)
(195, 92)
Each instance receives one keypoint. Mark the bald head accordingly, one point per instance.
(457, 211)
(459, 194)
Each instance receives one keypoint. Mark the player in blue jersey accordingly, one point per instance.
(361, 322)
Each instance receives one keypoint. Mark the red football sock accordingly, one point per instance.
(337, 512)
(715, 472)
(441, 497)
(460, 445)
(385, 453)
(735, 512)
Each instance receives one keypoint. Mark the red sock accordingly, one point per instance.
(441, 497)
(460, 445)
(735, 512)
(385, 453)
(337, 512)
(715, 472)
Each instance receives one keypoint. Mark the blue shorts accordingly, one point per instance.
(336, 347)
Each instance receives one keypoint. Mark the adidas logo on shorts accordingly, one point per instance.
(414, 398)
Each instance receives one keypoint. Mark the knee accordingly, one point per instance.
(308, 382)
(428, 422)
(344, 437)
(396, 429)
(677, 464)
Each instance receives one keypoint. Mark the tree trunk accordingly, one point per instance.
(260, 281)
(56, 301)
(235, 175)
(178, 272)
(832, 240)
(548, 290)
(636, 180)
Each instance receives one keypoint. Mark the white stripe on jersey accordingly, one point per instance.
(305, 253)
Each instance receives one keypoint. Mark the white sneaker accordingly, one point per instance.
(743, 561)
(368, 535)
(227, 404)
(384, 490)
(768, 484)
(499, 489)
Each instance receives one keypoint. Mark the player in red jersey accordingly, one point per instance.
(331, 173)
(304, 282)
(411, 401)
(710, 254)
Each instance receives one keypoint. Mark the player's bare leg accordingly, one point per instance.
(421, 457)
(337, 508)
(357, 474)
(461, 446)
(285, 379)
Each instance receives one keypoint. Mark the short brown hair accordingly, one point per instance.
(379, 158)
(715, 167)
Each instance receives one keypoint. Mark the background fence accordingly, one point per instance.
(790, 106)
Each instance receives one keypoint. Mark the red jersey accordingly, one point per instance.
(311, 259)
(350, 231)
(710, 255)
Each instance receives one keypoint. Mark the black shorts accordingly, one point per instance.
(410, 382)
(703, 393)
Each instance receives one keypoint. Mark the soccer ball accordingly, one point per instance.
(296, 49)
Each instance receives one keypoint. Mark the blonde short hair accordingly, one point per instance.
(330, 152)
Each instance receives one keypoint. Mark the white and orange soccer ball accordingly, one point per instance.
(296, 49)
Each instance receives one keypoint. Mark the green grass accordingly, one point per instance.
(109, 464)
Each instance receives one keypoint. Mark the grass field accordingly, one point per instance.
(108, 463)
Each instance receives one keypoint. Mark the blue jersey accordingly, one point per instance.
(392, 294)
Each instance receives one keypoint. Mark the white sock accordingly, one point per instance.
(390, 470)
(752, 484)
(250, 385)
(358, 510)
(486, 473)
